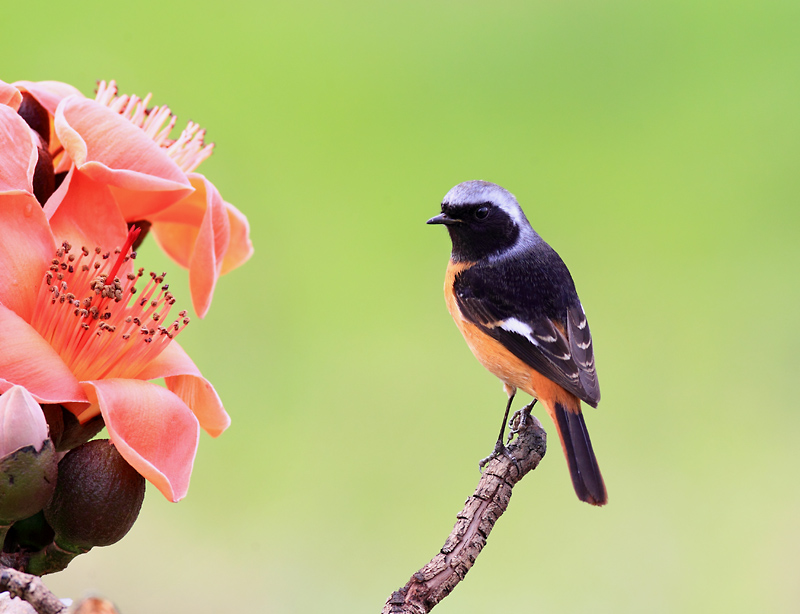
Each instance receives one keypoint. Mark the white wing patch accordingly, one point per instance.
(513, 325)
(547, 338)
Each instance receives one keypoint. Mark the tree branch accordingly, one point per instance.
(438, 578)
(31, 589)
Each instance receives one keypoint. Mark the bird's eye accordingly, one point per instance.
(481, 213)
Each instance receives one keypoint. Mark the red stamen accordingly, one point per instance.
(100, 327)
(133, 234)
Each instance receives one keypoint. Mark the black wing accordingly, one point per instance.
(531, 307)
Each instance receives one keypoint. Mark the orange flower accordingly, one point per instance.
(118, 154)
(73, 332)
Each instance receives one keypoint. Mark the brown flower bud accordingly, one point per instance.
(97, 499)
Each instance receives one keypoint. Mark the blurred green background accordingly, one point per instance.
(654, 145)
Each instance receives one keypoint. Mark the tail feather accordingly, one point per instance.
(582, 462)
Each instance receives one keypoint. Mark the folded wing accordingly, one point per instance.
(558, 346)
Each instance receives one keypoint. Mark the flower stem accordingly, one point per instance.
(3, 532)
(50, 560)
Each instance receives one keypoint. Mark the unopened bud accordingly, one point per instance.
(97, 499)
(22, 421)
(27, 459)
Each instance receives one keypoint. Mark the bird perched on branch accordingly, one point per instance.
(513, 299)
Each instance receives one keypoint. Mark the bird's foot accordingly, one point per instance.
(499, 450)
(518, 422)
(521, 419)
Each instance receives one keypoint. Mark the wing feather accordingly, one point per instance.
(561, 350)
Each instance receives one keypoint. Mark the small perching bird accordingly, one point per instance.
(513, 299)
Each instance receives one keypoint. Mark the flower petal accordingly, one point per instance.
(28, 360)
(19, 152)
(85, 213)
(110, 149)
(176, 239)
(152, 428)
(10, 96)
(48, 93)
(184, 379)
(209, 249)
(196, 233)
(22, 421)
(240, 248)
(26, 248)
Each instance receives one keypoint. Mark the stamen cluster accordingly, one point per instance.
(187, 151)
(90, 317)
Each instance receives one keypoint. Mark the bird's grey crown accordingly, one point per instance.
(477, 192)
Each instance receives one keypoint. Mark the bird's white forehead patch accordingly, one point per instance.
(477, 192)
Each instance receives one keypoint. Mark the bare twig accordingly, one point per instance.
(438, 578)
(31, 589)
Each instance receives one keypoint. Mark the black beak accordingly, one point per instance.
(442, 218)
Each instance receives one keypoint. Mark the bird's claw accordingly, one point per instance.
(499, 450)
(519, 421)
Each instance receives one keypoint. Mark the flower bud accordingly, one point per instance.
(27, 459)
(22, 421)
(97, 499)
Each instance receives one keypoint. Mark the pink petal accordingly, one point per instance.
(152, 429)
(240, 248)
(196, 233)
(177, 227)
(85, 213)
(110, 149)
(18, 152)
(22, 421)
(48, 93)
(26, 248)
(28, 360)
(184, 379)
(212, 243)
(10, 96)
(177, 240)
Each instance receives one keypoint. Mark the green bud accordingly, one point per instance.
(27, 481)
(27, 457)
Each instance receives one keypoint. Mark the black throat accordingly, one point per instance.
(472, 244)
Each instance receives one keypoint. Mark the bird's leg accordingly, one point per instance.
(520, 419)
(499, 447)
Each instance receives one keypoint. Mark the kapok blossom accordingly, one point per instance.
(75, 333)
(120, 167)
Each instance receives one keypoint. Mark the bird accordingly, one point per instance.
(515, 303)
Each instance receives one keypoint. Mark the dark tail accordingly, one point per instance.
(582, 463)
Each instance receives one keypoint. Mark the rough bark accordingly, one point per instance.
(437, 579)
(31, 589)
